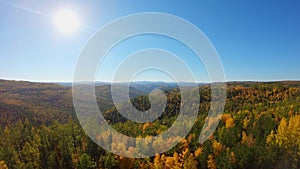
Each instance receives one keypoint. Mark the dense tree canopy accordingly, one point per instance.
(259, 129)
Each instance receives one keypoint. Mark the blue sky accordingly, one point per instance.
(256, 40)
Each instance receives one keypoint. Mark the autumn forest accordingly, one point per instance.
(260, 128)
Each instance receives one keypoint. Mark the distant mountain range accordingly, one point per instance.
(144, 86)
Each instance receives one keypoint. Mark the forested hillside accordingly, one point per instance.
(42, 103)
(259, 129)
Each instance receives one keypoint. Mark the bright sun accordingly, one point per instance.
(66, 21)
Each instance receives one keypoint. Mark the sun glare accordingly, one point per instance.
(66, 21)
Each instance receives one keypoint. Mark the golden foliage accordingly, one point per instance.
(288, 132)
(218, 147)
(198, 151)
(287, 136)
(184, 159)
(158, 161)
(229, 123)
(211, 163)
(225, 117)
(173, 162)
(249, 140)
(146, 125)
(270, 138)
(246, 122)
(232, 158)
(3, 165)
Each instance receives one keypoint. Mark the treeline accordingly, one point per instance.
(259, 129)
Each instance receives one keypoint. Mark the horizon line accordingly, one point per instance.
(151, 81)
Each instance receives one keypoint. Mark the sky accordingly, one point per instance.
(256, 40)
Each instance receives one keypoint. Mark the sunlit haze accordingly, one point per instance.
(66, 21)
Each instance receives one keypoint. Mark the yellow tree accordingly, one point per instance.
(173, 162)
(3, 165)
(287, 137)
(158, 161)
(211, 163)
(229, 123)
(218, 147)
